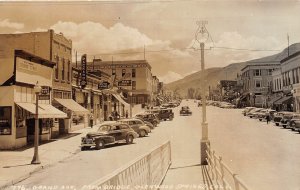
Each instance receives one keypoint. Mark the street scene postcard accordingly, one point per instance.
(150, 95)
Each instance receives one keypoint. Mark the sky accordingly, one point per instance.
(164, 30)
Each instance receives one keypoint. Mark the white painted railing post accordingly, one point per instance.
(222, 172)
(215, 166)
(236, 182)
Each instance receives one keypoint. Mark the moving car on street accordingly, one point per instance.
(137, 125)
(108, 134)
(185, 110)
(163, 114)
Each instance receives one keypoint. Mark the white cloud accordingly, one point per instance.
(95, 38)
(170, 77)
(6, 23)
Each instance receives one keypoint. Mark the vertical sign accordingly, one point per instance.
(83, 81)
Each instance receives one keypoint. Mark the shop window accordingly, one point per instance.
(5, 120)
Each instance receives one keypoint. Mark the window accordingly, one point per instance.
(5, 120)
(56, 68)
(257, 72)
(113, 71)
(257, 84)
(123, 72)
(133, 73)
(68, 73)
(270, 71)
(133, 85)
(63, 70)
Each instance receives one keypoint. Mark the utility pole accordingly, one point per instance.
(201, 37)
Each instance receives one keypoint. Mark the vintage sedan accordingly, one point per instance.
(137, 125)
(284, 122)
(262, 115)
(294, 124)
(254, 112)
(108, 133)
(163, 114)
(150, 117)
(185, 110)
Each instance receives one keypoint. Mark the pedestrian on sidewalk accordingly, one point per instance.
(126, 114)
(268, 118)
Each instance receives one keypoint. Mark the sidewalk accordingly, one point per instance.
(15, 165)
(189, 177)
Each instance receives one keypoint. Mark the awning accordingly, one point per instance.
(72, 105)
(274, 99)
(45, 110)
(284, 100)
(118, 97)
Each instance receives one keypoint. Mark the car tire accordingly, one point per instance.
(100, 144)
(170, 118)
(129, 139)
(155, 124)
(83, 148)
(143, 133)
(277, 124)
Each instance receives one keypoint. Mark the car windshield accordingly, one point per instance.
(104, 128)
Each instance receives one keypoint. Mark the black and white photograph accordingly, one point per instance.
(150, 95)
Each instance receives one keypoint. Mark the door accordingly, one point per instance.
(116, 132)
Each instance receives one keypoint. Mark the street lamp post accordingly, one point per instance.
(202, 36)
(130, 112)
(36, 160)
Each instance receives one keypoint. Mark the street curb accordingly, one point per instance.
(39, 168)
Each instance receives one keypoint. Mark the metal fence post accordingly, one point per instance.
(215, 166)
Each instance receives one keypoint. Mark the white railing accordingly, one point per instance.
(222, 175)
(145, 172)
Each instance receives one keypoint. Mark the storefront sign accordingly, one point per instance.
(30, 72)
(103, 85)
(45, 93)
(83, 81)
(124, 83)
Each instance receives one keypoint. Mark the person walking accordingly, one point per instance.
(268, 118)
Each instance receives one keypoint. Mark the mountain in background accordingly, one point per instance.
(213, 75)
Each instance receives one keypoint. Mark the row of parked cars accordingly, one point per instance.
(285, 119)
(126, 130)
(220, 104)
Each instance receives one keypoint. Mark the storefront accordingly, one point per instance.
(18, 102)
(296, 94)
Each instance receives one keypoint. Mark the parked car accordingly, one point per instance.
(137, 125)
(278, 116)
(284, 122)
(185, 110)
(294, 123)
(251, 113)
(246, 110)
(150, 117)
(256, 114)
(227, 105)
(262, 116)
(108, 133)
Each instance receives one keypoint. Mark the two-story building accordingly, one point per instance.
(55, 48)
(290, 77)
(134, 78)
(21, 72)
(257, 82)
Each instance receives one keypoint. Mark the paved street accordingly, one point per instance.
(263, 155)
